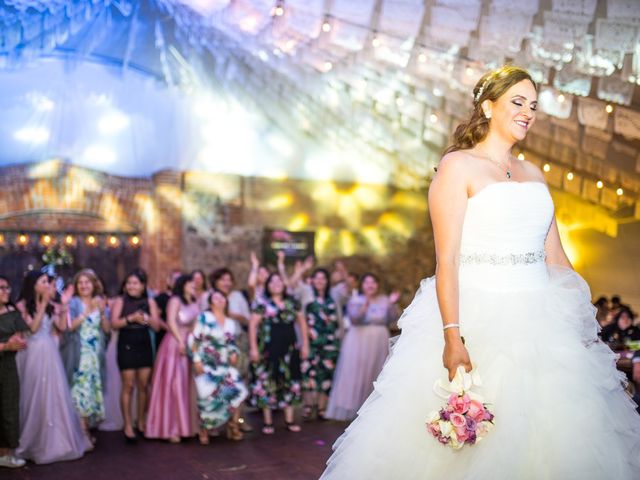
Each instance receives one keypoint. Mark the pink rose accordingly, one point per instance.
(459, 404)
(434, 429)
(476, 410)
(462, 434)
(457, 420)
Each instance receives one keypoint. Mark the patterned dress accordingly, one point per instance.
(324, 345)
(86, 387)
(220, 388)
(276, 376)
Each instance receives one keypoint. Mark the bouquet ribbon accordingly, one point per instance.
(463, 382)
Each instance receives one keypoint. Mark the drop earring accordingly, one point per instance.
(487, 115)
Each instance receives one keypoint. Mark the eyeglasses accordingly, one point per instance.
(5, 288)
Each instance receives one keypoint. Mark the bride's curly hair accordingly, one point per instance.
(491, 86)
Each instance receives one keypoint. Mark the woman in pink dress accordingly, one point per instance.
(173, 411)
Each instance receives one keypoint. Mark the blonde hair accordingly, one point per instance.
(491, 86)
(93, 278)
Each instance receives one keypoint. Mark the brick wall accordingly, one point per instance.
(194, 220)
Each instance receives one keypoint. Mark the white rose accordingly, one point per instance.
(433, 417)
(445, 428)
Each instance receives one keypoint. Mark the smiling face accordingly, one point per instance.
(224, 283)
(43, 286)
(5, 291)
(514, 112)
(370, 286)
(218, 301)
(320, 281)
(275, 286)
(84, 286)
(134, 287)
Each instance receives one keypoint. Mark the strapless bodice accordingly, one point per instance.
(503, 236)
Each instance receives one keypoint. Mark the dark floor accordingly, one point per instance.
(284, 455)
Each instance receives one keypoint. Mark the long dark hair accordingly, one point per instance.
(218, 274)
(204, 277)
(178, 288)
(140, 275)
(325, 272)
(368, 275)
(271, 276)
(28, 291)
(491, 86)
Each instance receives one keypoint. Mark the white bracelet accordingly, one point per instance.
(451, 325)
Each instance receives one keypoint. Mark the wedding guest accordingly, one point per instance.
(162, 299)
(621, 330)
(133, 315)
(87, 311)
(200, 286)
(172, 409)
(324, 328)
(275, 356)
(602, 307)
(12, 328)
(257, 278)
(215, 355)
(50, 429)
(364, 349)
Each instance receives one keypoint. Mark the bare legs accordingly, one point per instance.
(128, 381)
(142, 381)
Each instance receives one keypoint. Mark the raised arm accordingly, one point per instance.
(447, 207)
(254, 323)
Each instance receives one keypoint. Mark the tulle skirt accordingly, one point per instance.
(173, 411)
(50, 429)
(363, 353)
(560, 408)
(112, 386)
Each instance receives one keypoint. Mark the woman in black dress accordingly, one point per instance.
(133, 314)
(11, 327)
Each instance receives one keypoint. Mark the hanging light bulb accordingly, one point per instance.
(561, 98)
(521, 156)
(278, 11)
(91, 240)
(376, 42)
(23, 239)
(326, 26)
(599, 184)
(68, 240)
(570, 176)
(46, 240)
(422, 57)
(113, 241)
(619, 192)
(609, 108)
(546, 167)
(135, 240)
(433, 118)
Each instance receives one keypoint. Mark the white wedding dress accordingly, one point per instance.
(561, 412)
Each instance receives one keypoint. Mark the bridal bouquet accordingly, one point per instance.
(465, 419)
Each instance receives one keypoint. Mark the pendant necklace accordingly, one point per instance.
(506, 170)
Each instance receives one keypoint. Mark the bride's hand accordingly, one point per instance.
(454, 355)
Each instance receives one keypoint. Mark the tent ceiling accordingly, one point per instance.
(385, 80)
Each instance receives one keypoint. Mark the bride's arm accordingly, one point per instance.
(553, 247)
(447, 206)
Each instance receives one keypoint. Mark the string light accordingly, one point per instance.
(327, 66)
(546, 167)
(619, 192)
(599, 184)
(609, 108)
(91, 240)
(469, 71)
(113, 241)
(68, 240)
(433, 118)
(400, 102)
(521, 156)
(278, 11)
(422, 58)
(561, 98)
(135, 240)
(326, 27)
(570, 176)
(46, 239)
(23, 239)
(376, 42)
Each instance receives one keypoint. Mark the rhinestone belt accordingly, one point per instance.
(511, 259)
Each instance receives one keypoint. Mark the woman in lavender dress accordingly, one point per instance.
(364, 349)
(50, 429)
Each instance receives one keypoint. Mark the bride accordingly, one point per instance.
(504, 283)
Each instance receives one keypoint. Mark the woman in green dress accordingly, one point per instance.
(275, 354)
(324, 324)
(87, 311)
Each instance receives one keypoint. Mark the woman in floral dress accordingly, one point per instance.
(274, 353)
(221, 391)
(87, 314)
(324, 324)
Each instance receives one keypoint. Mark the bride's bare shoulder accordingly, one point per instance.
(458, 160)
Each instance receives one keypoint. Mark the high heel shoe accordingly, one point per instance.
(233, 431)
(130, 440)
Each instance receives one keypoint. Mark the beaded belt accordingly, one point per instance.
(511, 259)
